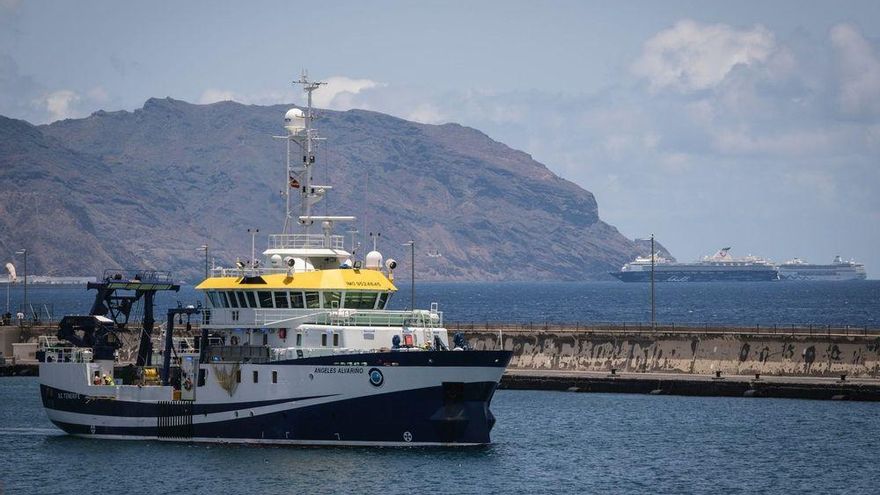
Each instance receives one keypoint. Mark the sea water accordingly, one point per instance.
(855, 303)
(544, 442)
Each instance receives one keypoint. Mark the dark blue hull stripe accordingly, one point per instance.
(61, 400)
(695, 276)
(479, 359)
(451, 413)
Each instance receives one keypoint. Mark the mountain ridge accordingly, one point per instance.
(145, 188)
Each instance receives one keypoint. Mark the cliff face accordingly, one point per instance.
(146, 188)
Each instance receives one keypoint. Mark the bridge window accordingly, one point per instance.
(242, 302)
(265, 299)
(223, 300)
(252, 299)
(215, 302)
(296, 300)
(281, 300)
(383, 300)
(331, 299)
(360, 300)
(313, 300)
(233, 302)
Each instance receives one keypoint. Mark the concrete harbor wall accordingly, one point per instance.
(808, 352)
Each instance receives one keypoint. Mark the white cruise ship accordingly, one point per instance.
(837, 270)
(720, 267)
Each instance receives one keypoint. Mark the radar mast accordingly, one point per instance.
(299, 173)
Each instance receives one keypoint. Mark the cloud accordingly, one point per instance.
(789, 143)
(426, 113)
(691, 56)
(858, 74)
(338, 93)
(60, 104)
(215, 95)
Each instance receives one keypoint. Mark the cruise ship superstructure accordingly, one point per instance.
(296, 348)
(721, 266)
(838, 270)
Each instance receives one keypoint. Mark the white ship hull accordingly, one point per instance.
(394, 398)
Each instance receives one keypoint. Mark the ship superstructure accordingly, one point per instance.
(721, 266)
(298, 347)
(838, 270)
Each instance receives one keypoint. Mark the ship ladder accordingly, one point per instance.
(174, 420)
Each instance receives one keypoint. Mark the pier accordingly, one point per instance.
(793, 361)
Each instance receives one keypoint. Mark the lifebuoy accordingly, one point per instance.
(234, 340)
(188, 384)
(282, 333)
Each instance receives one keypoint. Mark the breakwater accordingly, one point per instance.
(795, 351)
(820, 362)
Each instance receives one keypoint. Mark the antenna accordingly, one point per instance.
(310, 194)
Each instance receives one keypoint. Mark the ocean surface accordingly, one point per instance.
(855, 303)
(544, 442)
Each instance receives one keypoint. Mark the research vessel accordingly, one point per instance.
(719, 267)
(838, 270)
(299, 347)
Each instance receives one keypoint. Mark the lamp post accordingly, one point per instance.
(253, 233)
(653, 307)
(412, 273)
(24, 252)
(204, 247)
(8, 283)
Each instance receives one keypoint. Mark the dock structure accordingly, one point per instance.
(800, 362)
(789, 387)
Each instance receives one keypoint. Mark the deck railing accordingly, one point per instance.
(350, 317)
(305, 241)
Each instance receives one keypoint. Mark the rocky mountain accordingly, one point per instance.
(147, 188)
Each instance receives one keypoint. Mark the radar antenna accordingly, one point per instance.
(299, 127)
(299, 174)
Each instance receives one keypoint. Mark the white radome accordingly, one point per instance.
(374, 260)
(294, 120)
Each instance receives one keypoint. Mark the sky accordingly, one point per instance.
(750, 124)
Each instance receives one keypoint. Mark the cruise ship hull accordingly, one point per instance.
(395, 398)
(697, 275)
(831, 274)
